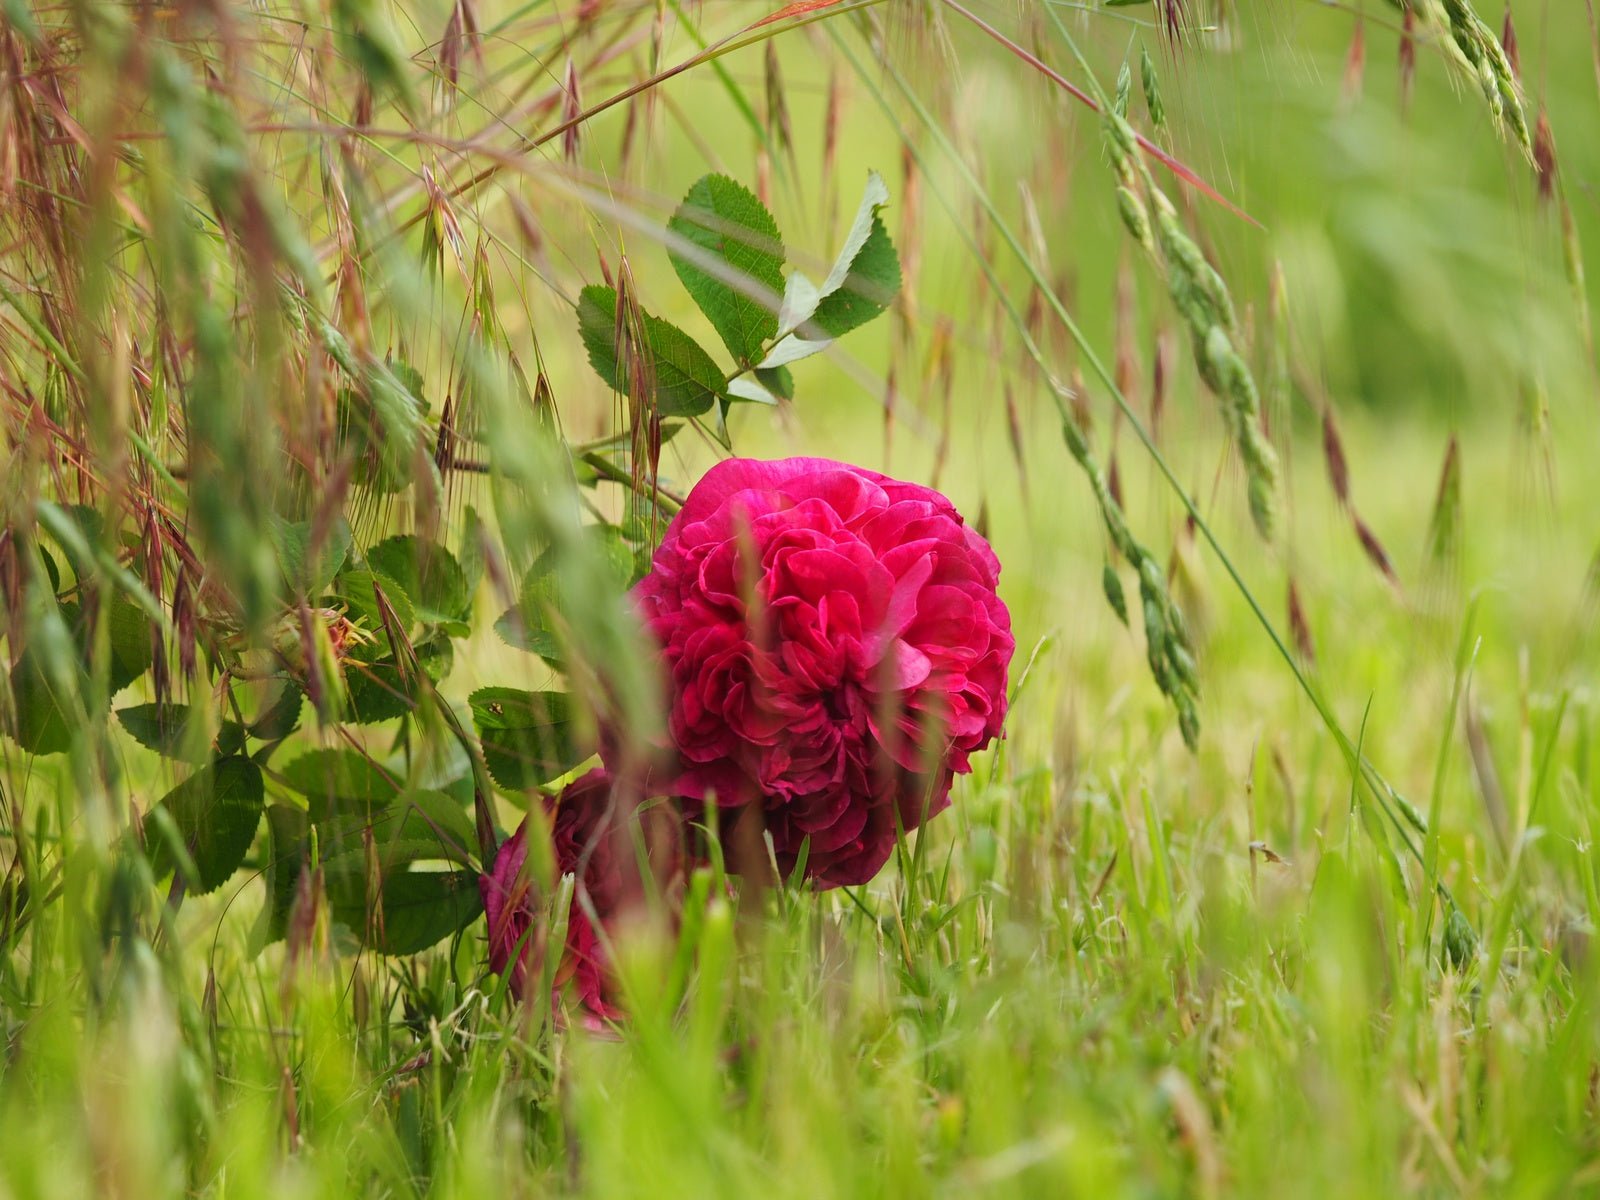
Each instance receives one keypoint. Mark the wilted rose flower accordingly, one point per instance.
(593, 838)
(835, 648)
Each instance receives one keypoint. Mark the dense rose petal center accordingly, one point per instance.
(835, 649)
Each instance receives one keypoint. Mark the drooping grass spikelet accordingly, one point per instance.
(1167, 646)
(1488, 59)
(1355, 62)
(1446, 525)
(1544, 156)
(1152, 90)
(1333, 456)
(1491, 58)
(1299, 626)
(1373, 549)
(1201, 297)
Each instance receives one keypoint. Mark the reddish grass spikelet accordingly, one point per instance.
(361, 111)
(571, 110)
(461, 32)
(1445, 528)
(1373, 548)
(544, 401)
(300, 930)
(1078, 400)
(778, 127)
(184, 623)
(1333, 455)
(1173, 17)
(764, 177)
(1160, 372)
(1544, 156)
(833, 119)
(444, 448)
(1355, 62)
(316, 688)
(1299, 626)
(1035, 317)
(153, 562)
(1408, 58)
(289, 1101)
(527, 226)
(352, 301)
(630, 132)
(798, 8)
(1508, 42)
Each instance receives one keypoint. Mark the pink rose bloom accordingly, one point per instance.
(592, 839)
(836, 652)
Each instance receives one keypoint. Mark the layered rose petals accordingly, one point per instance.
(836, 651)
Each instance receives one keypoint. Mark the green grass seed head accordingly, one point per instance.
(1152, 89)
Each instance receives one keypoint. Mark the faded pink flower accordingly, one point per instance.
(593, 837)
(836, 651)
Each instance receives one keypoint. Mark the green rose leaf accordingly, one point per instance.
(528, 738)
(429, 573)
(358, 590)
(215, 813)
(304, 572)
(862, 283)
(414, 909)
(281, 717)
(57, 661)
(328, 777)
(687, 379)
(288, 851)
(737, 276)
(179, 731)
(418, 827)
(381, 691)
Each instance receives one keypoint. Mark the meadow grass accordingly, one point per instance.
(1115, 966)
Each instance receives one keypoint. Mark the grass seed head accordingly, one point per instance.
(1299, 626)
(1446, 525)
(1408, 57)
(1373, 548)
(1152, 89)
(1111, 584)
(1544, 156)
(1333, 456)
(1355, 62)
(571, 109)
